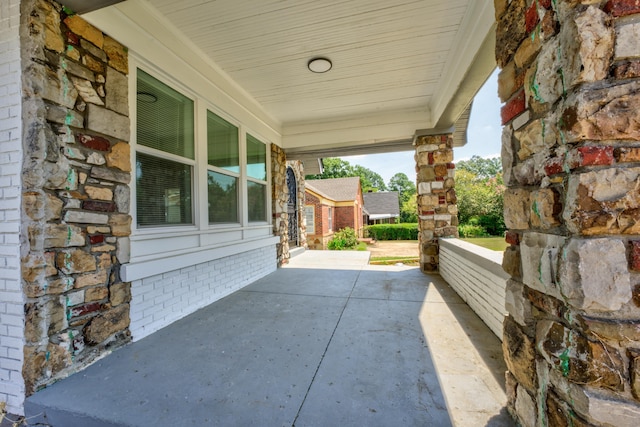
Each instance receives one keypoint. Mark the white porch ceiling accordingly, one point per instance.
(398, 65)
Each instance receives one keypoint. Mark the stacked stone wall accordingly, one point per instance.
(437, 209)
(279, 197)
(570, 83)
(298, 169)
(11, 299)
(75, 192)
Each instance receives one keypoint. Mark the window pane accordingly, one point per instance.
(311, 219)
(257, 201)
(256, 159)
(223, 198)
(163, 191)
(222, 143)
(165, 117)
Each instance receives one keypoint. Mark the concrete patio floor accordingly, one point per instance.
(327, 340)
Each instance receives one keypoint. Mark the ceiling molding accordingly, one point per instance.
(306, 153)
(143, 29)
(84, 6)
(483, 65)
(478, 24)
(358, 130)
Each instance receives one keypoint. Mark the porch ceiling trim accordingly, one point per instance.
(152, 35)
(480, 20)
(143, 30)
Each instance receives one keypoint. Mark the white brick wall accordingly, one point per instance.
(476, 274)
(160, 300)
(11, 298)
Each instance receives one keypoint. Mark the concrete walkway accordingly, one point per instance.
(325, 341)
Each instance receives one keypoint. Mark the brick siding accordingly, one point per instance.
(11, 299)
(159, 300)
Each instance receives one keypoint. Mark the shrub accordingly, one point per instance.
(471, 230)
(343, 239)
(407, 231)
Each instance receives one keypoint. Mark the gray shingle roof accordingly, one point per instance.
(381, 203)
(338, 189)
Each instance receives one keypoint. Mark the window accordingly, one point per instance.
(165, 155)
(310, 215)
(223, 170)
(330, 216)
(256, 179)
(195, 167)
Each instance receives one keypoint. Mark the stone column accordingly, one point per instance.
(570, 81)
(279, 198)
(437, 209)
(75, 192)
(298, 169)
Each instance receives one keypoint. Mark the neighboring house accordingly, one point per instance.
(331, 205)
(382, 207)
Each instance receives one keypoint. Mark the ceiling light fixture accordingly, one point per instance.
(146, 97)
(319, 65)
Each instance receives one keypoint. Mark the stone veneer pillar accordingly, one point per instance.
(280, 198)
(437, 209)
(279, 193)
(570, 81)
(298, 169)
(75, 192)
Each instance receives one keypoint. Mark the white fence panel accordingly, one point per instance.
(476, 274)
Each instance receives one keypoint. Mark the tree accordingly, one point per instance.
(337, 168)
(409, 209)
(369, 180)
(401, 184)
(482, 168)
(480, 201)
(334, 167)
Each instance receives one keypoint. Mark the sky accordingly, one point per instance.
(483, 138)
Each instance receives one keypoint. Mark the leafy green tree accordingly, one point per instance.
(369, 180)
(334, 167)
(482, 168)
(403, 186)
(480, 201)
(409, 209)
(337, 168)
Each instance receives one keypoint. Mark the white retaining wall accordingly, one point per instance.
(11, 297)
(162, 299)
(476, 274)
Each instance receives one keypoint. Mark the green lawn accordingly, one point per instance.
(391, 260)
(493, 243)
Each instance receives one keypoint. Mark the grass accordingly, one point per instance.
(362, 246)
(493, 243)
(391, 260)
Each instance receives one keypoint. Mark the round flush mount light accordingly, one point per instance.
(319, 65)
(146, 97)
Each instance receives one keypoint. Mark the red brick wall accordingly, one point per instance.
(344, 217)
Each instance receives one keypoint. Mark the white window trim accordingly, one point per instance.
(163, 236)
(248, 179)
(207, 167)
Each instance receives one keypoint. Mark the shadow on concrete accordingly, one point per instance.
(326, 340)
